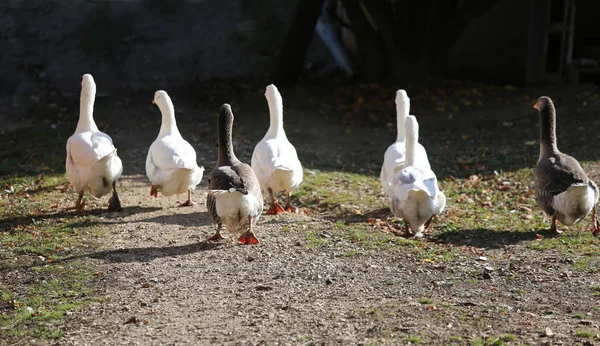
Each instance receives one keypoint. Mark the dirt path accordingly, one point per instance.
(487, 274)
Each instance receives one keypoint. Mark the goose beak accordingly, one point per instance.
(153, 102)
(536, 105)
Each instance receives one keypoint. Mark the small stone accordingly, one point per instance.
(482, 258)
(328, 281)
(250, 259)
(548, 332)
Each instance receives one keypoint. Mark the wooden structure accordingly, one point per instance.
(550, 40)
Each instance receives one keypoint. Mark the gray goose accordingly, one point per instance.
(562, 188)
(234, 196)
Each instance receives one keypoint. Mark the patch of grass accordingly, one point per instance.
(585, 263)
(38, 241)
(315, 240)
(45, 154)
(304, 338)
(580, 241)
(509, 338)
(425, 301)
(338, 192)
(579, 316)
(414, 339)
(455, 338)
(494, 340)
(371, 311)
(584, 334)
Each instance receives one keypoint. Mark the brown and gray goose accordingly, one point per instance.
(562, 188)
(234, 196)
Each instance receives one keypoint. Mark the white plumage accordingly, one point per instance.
(395, 155)
(171, 162)
(274, 159)
(575, 204)
(92, 163)
(415, 195)
(235, 209)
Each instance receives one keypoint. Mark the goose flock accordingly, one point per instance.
(235, 189)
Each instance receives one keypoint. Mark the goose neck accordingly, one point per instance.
(86, 110)
(275, 114)
(226, 156)
(548, 132)
(412, 139)
(402, 111)
(168, 123)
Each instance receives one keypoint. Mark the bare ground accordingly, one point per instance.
(335, 273)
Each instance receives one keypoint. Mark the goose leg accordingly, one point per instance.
(595, 223)
(407, 231)
(248, 238)
(288, 205)
(428, 222)
(189, 201)
(154, 191)
(275, 206)
(553, 227)
(114, 204)
(80, 205)
(217, 236)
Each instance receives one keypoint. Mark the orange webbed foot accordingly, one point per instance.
(215, 237)
(275, 209)
(154, 191)
(187, 203)
(248, 238)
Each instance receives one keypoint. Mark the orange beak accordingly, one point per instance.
(153, 102)
(536, 105)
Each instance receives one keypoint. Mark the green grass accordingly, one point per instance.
(425, 301)
(455, 338)
(585, 334)
(414, 339)
(48, 287)
(39, 242)
(339, 192)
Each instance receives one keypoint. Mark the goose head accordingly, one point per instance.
(543, 103)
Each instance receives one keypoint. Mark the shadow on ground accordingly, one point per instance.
(490, 239)
(147, 254)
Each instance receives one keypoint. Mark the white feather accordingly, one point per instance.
(575, 204)
(415, 194)
(171, 161)
(395, 154)
(235, 209)
(92, 163)
(274, 160)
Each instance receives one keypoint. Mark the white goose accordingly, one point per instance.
(274, 159)
(171, 162)
(415, 196)
(92, 163)
(395, 155)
